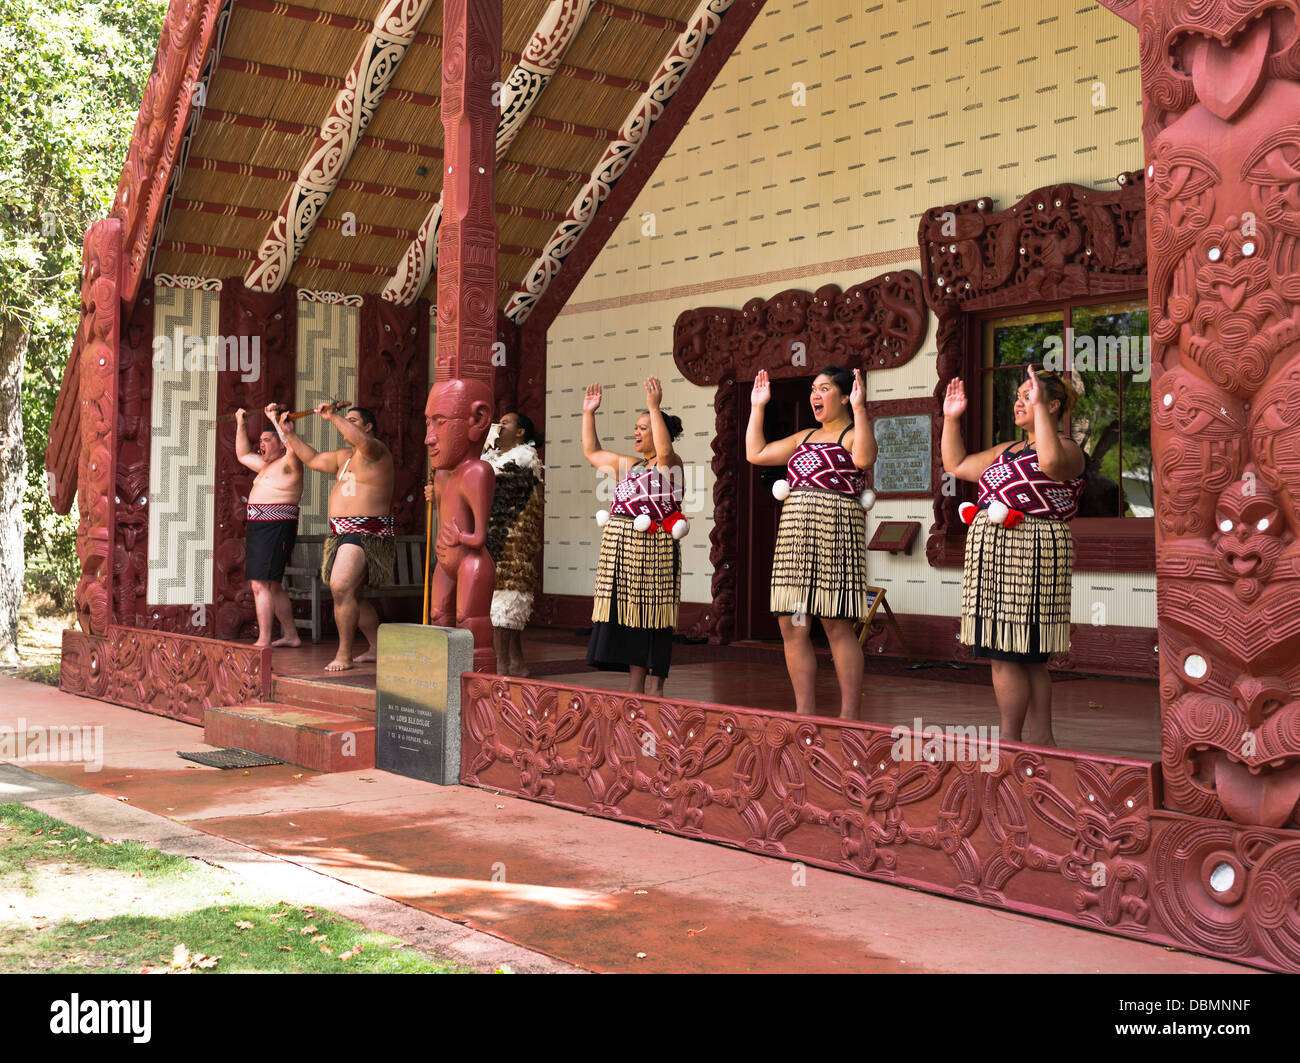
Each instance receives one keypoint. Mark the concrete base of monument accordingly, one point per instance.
(417, 700)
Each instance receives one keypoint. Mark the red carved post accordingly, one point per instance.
(467, 296)
(393, 381)
(1221, 108)
(101, 306)
(135, 378)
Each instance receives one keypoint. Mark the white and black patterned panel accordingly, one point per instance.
(182, 453)
(327, 371)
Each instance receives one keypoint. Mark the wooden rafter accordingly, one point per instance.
(400, 147)
(560, 25)
(245, 169)
(673, 73)
(434, 40)
(372, 73)
(421, 99)
(628, 14)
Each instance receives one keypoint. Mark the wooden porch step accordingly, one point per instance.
(320, 694)
(297, 734)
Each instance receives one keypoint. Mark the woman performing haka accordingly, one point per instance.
(639, 578)
(1015, 598)
(820, 565)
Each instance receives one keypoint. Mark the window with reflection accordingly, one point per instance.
(1105, 349)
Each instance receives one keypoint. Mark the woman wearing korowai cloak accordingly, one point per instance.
(360, 550)
(458, 416)
(1015, 601)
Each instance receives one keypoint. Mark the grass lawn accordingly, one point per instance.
(71, 902)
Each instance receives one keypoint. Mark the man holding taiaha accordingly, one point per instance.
(272, 526)
(360, 550)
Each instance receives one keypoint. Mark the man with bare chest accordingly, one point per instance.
(360, 550)
(272, 527)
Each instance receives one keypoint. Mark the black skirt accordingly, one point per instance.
(616, 648)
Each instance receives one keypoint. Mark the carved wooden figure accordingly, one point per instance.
(1222, 120)
(458, 417)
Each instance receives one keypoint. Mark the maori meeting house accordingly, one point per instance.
(355, 199)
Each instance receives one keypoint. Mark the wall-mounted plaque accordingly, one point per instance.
(903, 457)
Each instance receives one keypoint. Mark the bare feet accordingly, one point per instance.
(339, 664)
(286, 641)
(365, 658)
(260, 645)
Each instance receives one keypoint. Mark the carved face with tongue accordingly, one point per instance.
(1238, 757)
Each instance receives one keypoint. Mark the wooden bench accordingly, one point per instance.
(302, 580)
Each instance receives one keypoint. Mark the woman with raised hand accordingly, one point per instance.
(820, 565)
(1015, 598)
(639, 577)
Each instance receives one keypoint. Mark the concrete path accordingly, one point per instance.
(488, 879)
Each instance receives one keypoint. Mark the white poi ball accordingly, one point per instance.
(642, 522)
(781, 490)
(602, 517)
(677, 526)
(967, 512)
(998, 511)
(867, 498)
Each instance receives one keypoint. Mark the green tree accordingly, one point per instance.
(73, 75)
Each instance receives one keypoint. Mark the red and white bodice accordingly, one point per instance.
(1018, 483)
(646, 490)
(824, 467)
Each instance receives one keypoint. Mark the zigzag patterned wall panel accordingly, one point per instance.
(327, 370)
(182, 452)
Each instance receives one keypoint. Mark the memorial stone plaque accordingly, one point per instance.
(903, 454)
(417, 704)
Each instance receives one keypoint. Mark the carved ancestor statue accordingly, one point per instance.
(458, 416)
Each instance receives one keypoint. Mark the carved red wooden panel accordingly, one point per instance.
(1048, 833)
(131, 545)
(271, 321)
(1222, 119)
(98, 336)
(188, 30)
(879, 324)
(1059, 242)
(166, 674)
(393, 382)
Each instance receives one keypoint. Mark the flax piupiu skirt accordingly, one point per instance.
(819, 567)
(634, 608)
(1015, 595)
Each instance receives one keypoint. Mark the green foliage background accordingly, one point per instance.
(72, 73)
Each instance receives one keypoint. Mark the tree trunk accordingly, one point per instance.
(13, 478)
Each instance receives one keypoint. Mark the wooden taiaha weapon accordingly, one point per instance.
(296, 415)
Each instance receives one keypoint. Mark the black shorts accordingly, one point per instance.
(269, 544)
